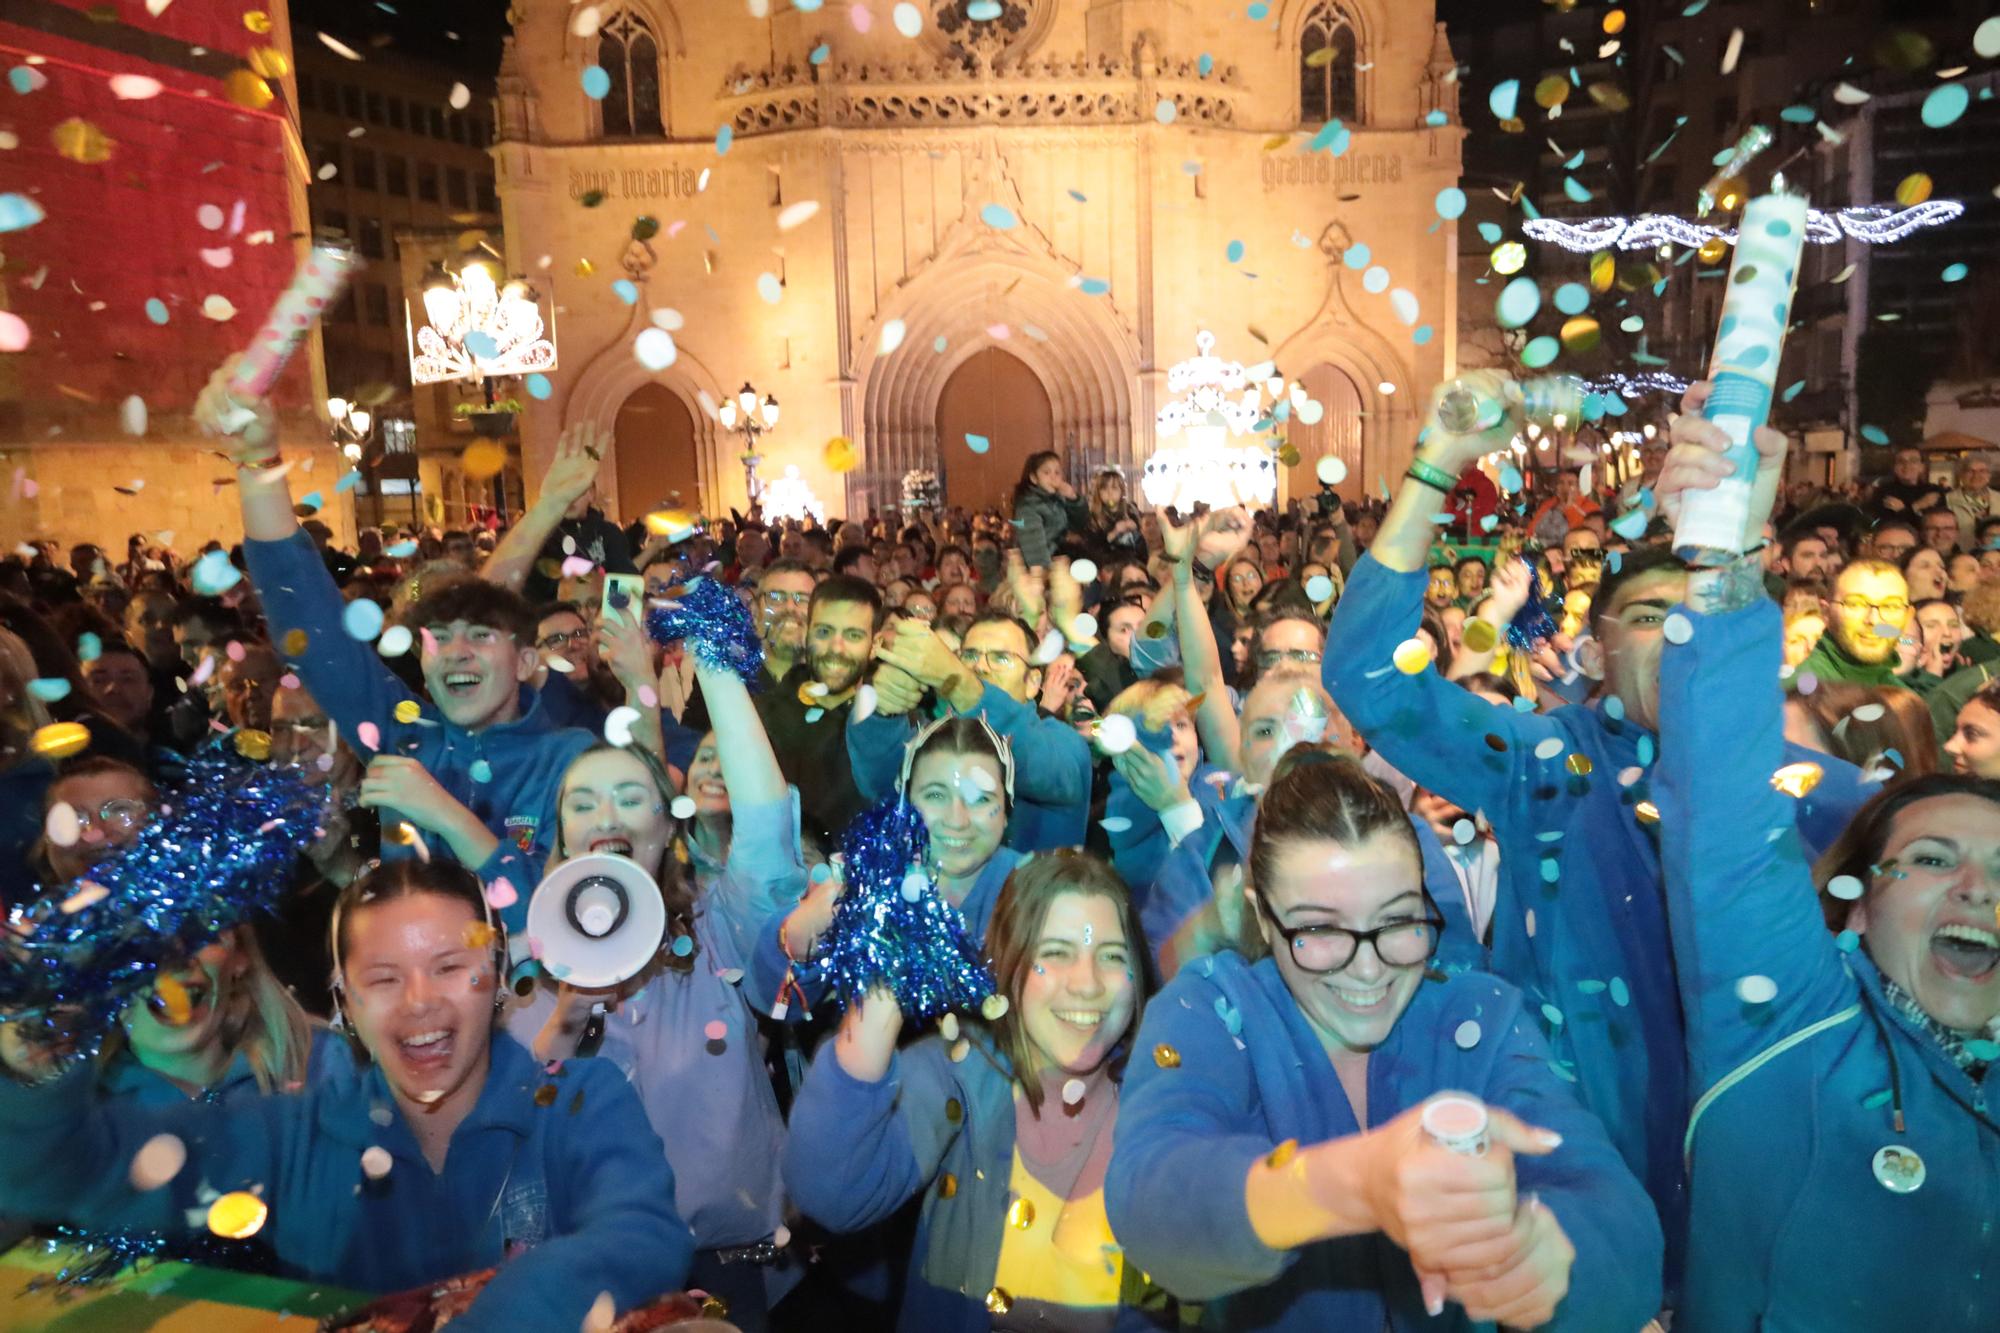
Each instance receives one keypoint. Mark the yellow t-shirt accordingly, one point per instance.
(1055, 1251)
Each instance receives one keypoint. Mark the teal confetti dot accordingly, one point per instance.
(1540, 352)
(1436, 118)
(481, 345)
(1847, 941)
(1551, 870)
(628, 291)
(347, 483)
(1323, 137)
(1094, 287)
(1450, 203)
(539, 387)
(49, 689)
(1235, 252)
(1793, 390)
(1376, 279)
(999, 217)
(1874, 435)
(1079, 196)
(1553, 1014)
(1981, 1049)
(683, 945)
(1572, 298)
(1504, 98)
(1577, 191)
(1876, 1100)
(724, 137)
(1590, 987)
(1797, 115)
(815, 714)
(23, 80)
(979, 444)
(362, 620)
(1631, 525)
(1259, 11)
(979, 11)
(1945, 105)
(820, 53)
(940, 344)
(1518, 303)
(1632, 323)
(1206, 65)
(313, 500)
(1954, 273)
(1357, 256)
(156, 310)
(89, 647)
(213, 575)
(1621, 994)
(1490, 232)
(596, 83)
(1489, 522)
(481, 771)
(1422, 335)
(1510, 479)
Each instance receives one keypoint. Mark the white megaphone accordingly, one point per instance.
(598, 920)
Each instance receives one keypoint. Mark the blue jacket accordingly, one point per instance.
(1051, 767)
(1140, 848)
(1580, 921)
(859, 1151)
(124, 1079)
(1189, 1133)
(520, 763)
(1790, 1228)
(582, 1181)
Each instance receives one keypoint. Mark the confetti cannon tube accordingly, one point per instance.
(1456, 1124)
(317, 284)
(1744, 370)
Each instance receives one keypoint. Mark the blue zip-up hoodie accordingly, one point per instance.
(859, 1151)
(582, 1181)
(1251, 1074)
(1139, 846)
(1580, 921)
(1790, 1227)
(519, 764)
(1051, 767)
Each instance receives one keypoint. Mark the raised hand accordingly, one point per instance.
(1696, 462)
(251, 428)
(1523, 1286)
(573, 470)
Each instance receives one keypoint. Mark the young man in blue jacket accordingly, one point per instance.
(989, 674)
(476, 762)
(1580, 921)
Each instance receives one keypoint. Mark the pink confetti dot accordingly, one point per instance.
(234, 650)
(716, 1030)
(288, 681)
(861, 18)
(649, 696)
(576, 566)
(501, 895)
(13, 332)
(369, 735)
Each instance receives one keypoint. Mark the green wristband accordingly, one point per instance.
(1431, 475)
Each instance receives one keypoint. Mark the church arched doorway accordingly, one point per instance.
(993, 394)
(1336, 433)
(655, 453)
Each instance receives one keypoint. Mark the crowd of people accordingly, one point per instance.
(1280, 831)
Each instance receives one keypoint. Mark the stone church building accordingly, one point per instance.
(911, 223)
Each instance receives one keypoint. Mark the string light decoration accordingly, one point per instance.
(1627, 384)
(788, 497)
(1873, 224)
(1219, 401)
(920, 489)
(475, 328)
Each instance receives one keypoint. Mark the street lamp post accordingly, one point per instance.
(351, 425)
(747, 417)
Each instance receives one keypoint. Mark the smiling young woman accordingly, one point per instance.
(1006, 1130)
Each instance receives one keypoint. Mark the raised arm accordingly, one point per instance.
(1404, 541)
(252, 431)
(571, 474)
(1219, 534)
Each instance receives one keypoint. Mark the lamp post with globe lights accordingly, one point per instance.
(352, 426)
(746, 416)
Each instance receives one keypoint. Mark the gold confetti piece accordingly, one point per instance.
(175, 1007)
(1277, 141)
(1579, 764)
(1913, 189)
(584, 268)
(1712, 250)
(1156, 629)
(1797, 779)
(839, 455)
(1321, 58)
(1411, 656)
(954, 1110)
(714, 1307)
(959, 1049)
(1480, 637)
(294, 642)
(994, 1007)
(1552, 91)
(257, 21)
(1580, 334)
(252, 744)
(80, 141)
(478, 935)
(1288, 455)
(1647, 812)
(998, 1301)
(246, 89)
(545, 1095)
(947, 1185)
(667, 522)
(1614, 22)
(269, 62)
(1281, 1156)
(237, 1215)
(1609, 96)
(59, 740)
(408, 711)
(1166, 1057)
(483, 460)
(1603, 271)
(1021, 1214)
(1508, 257)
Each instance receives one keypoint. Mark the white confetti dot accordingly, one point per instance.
(1869, 713)
(1678, 629)
(1531, 923)
(1083, 627)
(395, 641)
(1073, 1092)
(1331, 470)
(376, 1162)
(62, 825)
(1549, 748)
(132, 415)
(1463, 832)
(670, 319)
(948, 1027)
(654, 349)
(1083, 571)
(914, 886)
(1844, 887)
(1319, 587)
(1114, 824)
(603, 1313)
(1050, 648)
(618, 724)
(770, 288)
(1116, 734)
(682, 808)
(1756, 990)
(218, 308)
(461, 97)
(892, 337)
(1467, 1035)
(210, 217)
(797, 215)
(865, 701)
(817, 689)
(158, 1161)
(1628, 776)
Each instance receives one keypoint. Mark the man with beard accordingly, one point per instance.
(1870, 607)
(784, 592)
(806, 711)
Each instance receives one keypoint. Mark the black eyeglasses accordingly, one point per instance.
(1327, 948)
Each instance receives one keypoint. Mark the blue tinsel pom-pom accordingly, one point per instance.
(712, 620)
(892, 927)
(223, 847)
(1532, 624)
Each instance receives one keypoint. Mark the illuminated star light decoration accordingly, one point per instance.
(1219, 401)
(1874, 224)
(789, 498)
(476, 329)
